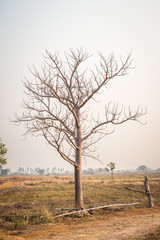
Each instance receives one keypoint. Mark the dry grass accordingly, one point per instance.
(28, 201)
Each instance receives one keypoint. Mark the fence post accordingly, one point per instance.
(147, 189)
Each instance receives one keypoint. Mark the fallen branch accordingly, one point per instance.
(135, 190)
(62, 209)
(89, 209)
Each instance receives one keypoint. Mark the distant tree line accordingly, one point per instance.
(61, 171)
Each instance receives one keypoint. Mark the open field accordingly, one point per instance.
(28, 205)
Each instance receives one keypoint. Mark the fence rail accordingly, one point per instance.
(147, 191)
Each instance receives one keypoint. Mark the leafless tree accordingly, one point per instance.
(56, 106)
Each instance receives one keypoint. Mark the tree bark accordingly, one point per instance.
(78, 189)
(78, 180)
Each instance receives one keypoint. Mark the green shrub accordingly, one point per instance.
(71, 182)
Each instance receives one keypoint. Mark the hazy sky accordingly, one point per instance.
(28, 27)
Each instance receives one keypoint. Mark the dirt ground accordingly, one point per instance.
(131, 224)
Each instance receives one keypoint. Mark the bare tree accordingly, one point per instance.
(56, 106)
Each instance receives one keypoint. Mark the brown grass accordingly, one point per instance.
(26, 202)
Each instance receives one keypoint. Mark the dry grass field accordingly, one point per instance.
(28, 206)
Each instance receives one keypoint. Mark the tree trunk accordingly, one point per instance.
(78, 189)
(78, 180)
(112, 175)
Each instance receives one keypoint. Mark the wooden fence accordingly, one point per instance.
(147, 191)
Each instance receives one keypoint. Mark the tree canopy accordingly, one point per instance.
(3, 151)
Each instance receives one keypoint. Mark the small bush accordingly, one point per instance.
(46, 215)
(9, 218)
(20, 223)
(71, 182)
(31, 184)
(46, 182)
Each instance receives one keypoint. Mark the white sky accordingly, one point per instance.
(28, 27)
